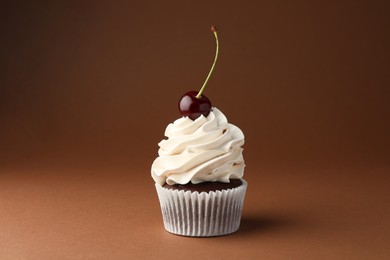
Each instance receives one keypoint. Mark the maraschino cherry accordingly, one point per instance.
(193, 104)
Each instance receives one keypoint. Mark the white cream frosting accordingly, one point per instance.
(201, 150)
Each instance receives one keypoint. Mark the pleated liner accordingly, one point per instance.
(202, 214)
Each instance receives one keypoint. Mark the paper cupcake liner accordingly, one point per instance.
(195, 214)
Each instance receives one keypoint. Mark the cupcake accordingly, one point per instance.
(198, 173)
(198, 176)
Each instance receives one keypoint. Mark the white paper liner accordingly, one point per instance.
(195, 214)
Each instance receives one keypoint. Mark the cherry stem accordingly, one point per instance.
(214, 30)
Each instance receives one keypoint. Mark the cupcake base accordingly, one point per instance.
(204, 214)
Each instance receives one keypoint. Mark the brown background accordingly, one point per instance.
(87, 89)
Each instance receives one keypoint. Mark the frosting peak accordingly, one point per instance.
(206, 149)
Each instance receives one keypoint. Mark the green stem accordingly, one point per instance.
(212, 67)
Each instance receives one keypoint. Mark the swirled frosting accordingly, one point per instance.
(202, 150)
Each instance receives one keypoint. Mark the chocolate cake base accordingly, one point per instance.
(202, 214)
(205, 186)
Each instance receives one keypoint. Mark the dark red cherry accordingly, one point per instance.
(193, 107)
(193, 103)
